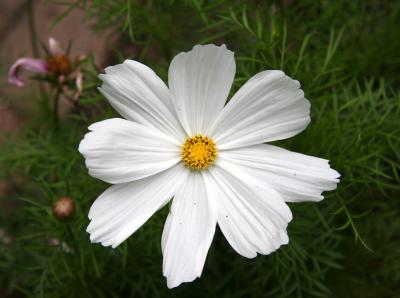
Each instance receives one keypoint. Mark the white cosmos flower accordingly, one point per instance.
(185, 142)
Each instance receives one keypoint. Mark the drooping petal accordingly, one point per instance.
(29, 64)
(253, 217)
(124, 208)
(139, 95)
(188, 231)
(200, 81)
(270, 106)
(119, 151)
(297, 177)
(79, 85)
(55, 47)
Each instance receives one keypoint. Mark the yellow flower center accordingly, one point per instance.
(199, 152)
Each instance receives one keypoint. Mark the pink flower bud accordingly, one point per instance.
(55, 47)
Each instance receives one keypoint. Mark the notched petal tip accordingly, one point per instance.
(284, 237)
(81, 146)
(174, 282)
(211, 46)
(101, 76)
(336, 174)
(106, 124)
(112, 68)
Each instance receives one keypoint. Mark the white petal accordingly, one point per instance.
(139, 95)
(200, 81)
(270, 106)
(252, 217)
(124, 208)
(297, 177)
(188, 231)
(119, 151)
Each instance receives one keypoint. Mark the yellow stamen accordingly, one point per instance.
(199, 152)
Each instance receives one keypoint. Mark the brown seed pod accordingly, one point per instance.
(64, 208)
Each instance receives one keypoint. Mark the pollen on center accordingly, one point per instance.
(199, 152)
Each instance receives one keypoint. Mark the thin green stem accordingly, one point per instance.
(357, 236)
(32, 28)
(34, 40)
(56, 101)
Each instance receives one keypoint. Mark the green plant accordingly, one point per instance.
(344, 54)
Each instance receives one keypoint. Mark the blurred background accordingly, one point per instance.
(16, 42)
(344, 53)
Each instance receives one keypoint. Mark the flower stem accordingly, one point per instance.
(56, 100)
(34, 40)
(32, 28)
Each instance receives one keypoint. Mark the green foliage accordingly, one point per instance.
(345, 54)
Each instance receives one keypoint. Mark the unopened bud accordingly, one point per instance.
(53, 241)
(64, 208)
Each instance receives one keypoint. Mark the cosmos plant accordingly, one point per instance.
(187, 142)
